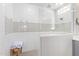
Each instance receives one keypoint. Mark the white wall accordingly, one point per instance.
(2, 29)
(34, 13)
(9, 10)
(26, 12)
(65, 25)
(66, 15)
(47, 16)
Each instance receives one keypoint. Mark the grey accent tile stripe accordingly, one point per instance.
(12, 27)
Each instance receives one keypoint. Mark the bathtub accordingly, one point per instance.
(56, 44)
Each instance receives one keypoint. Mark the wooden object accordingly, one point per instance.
(15, 51)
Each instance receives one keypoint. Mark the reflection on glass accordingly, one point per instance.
(29, 18)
